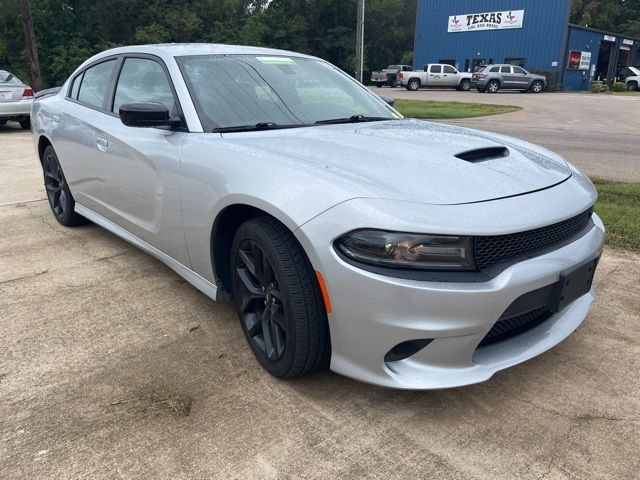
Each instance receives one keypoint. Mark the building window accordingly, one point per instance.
(515, 61)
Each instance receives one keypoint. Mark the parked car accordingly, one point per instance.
(394, 250)
(493, 78)
(389, 76)
(15, 100)
(436, 75)
(632, 80)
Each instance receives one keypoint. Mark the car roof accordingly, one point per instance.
(181, 49)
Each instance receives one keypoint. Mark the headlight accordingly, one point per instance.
(408, 250)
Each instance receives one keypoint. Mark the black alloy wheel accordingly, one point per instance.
(261, 308)
(58, 193)
(278, 299)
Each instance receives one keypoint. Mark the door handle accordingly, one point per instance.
(102, 144)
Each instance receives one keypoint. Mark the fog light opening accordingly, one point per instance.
(406, 349)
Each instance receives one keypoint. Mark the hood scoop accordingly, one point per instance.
(483, 154)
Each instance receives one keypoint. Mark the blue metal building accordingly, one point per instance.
(535, 34)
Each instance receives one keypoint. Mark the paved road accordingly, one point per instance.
(102, 348)
(600, 134)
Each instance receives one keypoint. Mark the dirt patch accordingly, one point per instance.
(178, 404)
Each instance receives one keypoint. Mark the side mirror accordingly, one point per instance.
(148, 114)
(388, 99)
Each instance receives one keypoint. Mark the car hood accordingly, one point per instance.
(409, 160)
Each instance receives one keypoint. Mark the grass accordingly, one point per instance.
(430, 109)
(619, 207)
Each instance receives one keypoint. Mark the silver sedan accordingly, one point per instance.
(398, 252)
(15, 100)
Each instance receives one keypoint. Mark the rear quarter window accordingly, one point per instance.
(95, 83)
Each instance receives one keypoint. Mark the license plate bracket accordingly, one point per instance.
(573, 284)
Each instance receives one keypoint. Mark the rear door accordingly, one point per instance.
(75, 132)
(140, 166)
(450, 76)
(434, 76)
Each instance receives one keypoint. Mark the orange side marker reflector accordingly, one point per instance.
(325, 293)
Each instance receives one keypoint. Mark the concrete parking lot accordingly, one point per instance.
(598, 133)
(111, 366)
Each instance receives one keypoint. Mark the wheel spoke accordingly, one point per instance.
(248, 262)
(248, 300)
(276, 293)
(277, 316)
(258, 263)
(253, 324)
(266, 335)
(247, 282)
(278, 337)
(63, 200)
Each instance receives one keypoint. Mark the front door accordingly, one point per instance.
(140, 189)
(450, 76)
(507, 77)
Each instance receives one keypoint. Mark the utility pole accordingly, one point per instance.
(30, 44)
(360, 40)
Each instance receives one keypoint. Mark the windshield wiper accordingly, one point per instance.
(353, 119)
(252, 128)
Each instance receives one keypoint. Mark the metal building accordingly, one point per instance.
(535, 34)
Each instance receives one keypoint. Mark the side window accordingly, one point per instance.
(95, 83)
(505, 69)
(143, 80)
(494, 70)
(436, 68)
(449, 69)
(519, 71)
(75, 86)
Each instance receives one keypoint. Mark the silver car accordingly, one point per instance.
(493, 78)
(15, 100)
(275, 179)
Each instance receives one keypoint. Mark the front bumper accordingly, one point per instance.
(19, 109)
(372, 313)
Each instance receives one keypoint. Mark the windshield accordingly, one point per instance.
(6, 77)
(634, 71)
(244, 90)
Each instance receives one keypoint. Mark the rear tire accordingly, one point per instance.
(493, 86)
(25, 124)
(60, 199)
(278, 300)
(413, 85)
(465, 85)
(379, 85)
(481, 90)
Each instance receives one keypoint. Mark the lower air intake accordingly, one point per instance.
(510, 327)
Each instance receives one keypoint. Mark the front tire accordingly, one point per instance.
(60, 199)
(25, 123)
(537, 87)
(278, 300)
(493, 86)
(632, 86)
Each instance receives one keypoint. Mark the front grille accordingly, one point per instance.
(510, 327)
(492, 250)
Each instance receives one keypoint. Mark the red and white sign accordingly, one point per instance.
(579, 60)
(472, 22)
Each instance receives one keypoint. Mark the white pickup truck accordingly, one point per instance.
(633, 79)
(435, 75)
